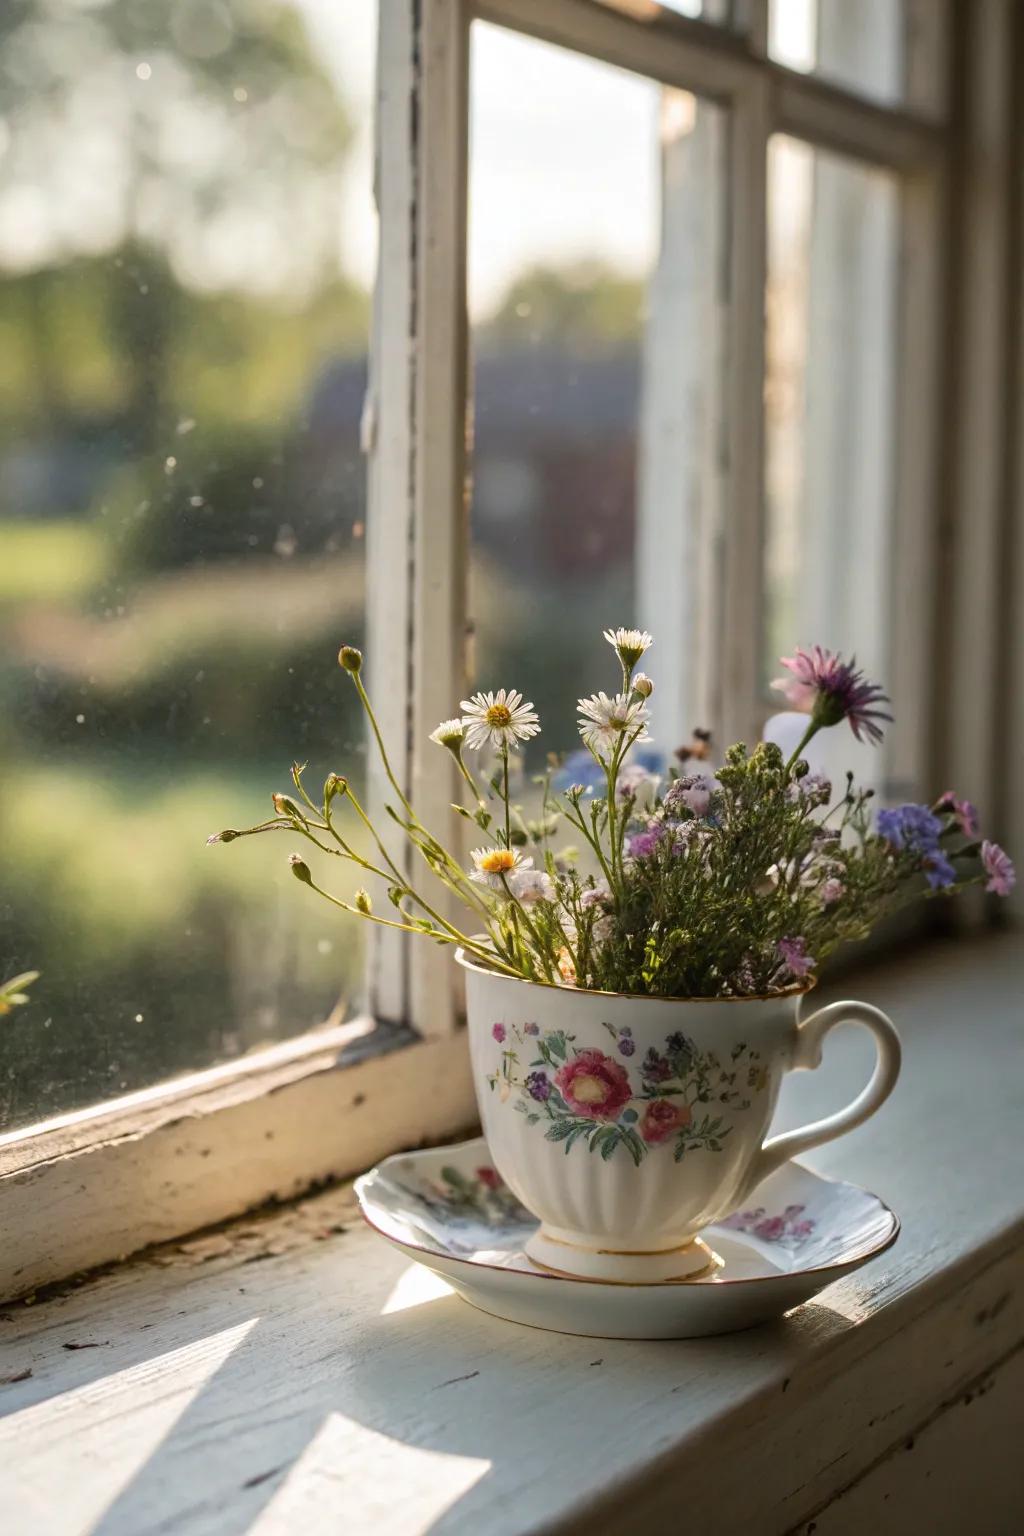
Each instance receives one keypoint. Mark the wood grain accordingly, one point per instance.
(336, 1388)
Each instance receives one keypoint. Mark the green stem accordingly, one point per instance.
(531, 930)
(508, 817)
(462, 939)
(368, 707)
(812, 730)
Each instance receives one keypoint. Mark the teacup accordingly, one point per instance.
(627, 1124)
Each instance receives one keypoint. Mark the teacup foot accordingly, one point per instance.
(692, 1260)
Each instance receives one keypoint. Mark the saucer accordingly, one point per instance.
(448, 1208)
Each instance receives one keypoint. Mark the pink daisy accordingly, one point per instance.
(830, 689)
(1002, 877)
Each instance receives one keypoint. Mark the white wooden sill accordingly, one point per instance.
(336, 1388)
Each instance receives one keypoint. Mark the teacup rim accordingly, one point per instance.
(468, 963)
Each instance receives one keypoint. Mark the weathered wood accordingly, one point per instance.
(337, 1388)
(153, 1171)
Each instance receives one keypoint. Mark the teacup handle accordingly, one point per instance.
(807, 1055)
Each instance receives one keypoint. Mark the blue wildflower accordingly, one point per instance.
(938, 870)
(913, 827)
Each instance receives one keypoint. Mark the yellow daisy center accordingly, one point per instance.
(498, 861)
(499, 715)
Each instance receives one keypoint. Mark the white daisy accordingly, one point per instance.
(529, 885)
(449, 734)
(605, 721)
(499, 720)
(629, 644)
(493, 866)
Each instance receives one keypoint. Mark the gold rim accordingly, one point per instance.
(714, 1262)
(860, 1257)
(634, 997)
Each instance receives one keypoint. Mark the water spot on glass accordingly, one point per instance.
(170, 464)
(240, 93)
(186, 424)
(79, 719)
(252, 540)
(144, 71)
(206, 719)
(143, 287)
(196, 501)
(258, 483)
(286, 543)
(324, 946)
(138, 1018)
(523, 310)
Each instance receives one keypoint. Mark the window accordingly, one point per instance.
(186, 250)
(657, 334)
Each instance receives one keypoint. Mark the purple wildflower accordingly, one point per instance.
(531, 1029)
(498, 1031)
(911, 827)
(1002, 877)
(812, 790)
(595, 894)
(643, 844)
(694, 791)
(538, 1086)
(794, 956)
(965, 813)
(626, 1046)
(830, 689)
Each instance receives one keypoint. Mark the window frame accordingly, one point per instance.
(302, 1111)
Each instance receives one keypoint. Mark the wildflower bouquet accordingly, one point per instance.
(733, 882)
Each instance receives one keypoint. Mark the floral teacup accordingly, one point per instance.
(627, 1124)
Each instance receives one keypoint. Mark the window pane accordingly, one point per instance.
(186, 247)
(830, 404)
(857, 43)
(594, 244)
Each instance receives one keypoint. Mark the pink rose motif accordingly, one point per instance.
(662, 1119)
(489, 1178)
(594, 1085)
(771, 1229)
(498, 1031)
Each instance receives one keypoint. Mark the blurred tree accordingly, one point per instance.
(586, 306)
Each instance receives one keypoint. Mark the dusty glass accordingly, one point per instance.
(187, 242)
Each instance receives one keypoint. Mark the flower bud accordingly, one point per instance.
(334, 785)
(300, 869)
(642, 685)
(227, 836)
(362, 902)
(450, 734)
(350, 658)
(284, 805)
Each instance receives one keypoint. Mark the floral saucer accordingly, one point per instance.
(448, 1208)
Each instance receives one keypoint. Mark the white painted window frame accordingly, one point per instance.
(93, 1186)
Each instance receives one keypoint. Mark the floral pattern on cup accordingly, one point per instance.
(607, 1101)
(789, 1229)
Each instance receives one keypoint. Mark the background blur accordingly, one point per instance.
(187, 250)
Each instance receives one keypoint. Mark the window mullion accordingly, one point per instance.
(439, 496)
(388, 439)
(740, 623)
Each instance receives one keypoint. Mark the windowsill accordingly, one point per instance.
(196, 1390)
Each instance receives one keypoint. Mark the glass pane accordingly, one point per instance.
(186, 247)
(594, 241)
(830, 412)
(857, 43)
